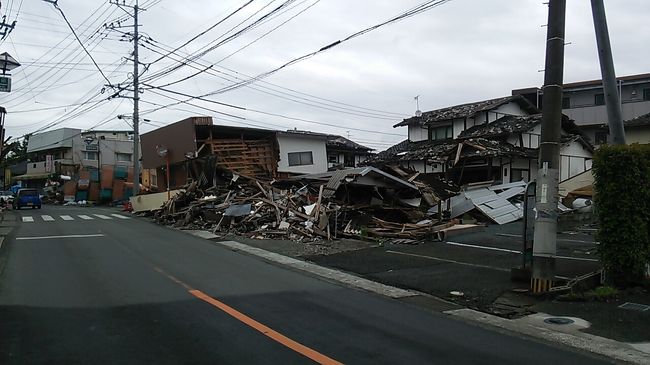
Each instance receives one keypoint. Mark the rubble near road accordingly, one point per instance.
(363, 202)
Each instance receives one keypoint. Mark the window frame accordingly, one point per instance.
(301, 156)
(445, 131)
(646, 94)
(88, 153)
(118, 154)
(599, 99)
(566, 102)
(598, 137)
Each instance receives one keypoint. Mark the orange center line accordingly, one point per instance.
(266, 331)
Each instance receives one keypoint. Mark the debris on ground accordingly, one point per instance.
(364, 202)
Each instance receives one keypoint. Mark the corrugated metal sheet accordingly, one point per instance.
(487, 201)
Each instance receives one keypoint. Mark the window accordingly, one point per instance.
(154, 178)
(566, 102)
(599, 99)
(333, 158)
(441, 133)
(600, 137)
(89, 155)
(646, 94)
(123, 157)
(300, 158)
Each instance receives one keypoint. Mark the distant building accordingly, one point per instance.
(195, 147)
(584, 102)
(66, 151)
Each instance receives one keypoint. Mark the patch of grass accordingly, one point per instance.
(602, 293)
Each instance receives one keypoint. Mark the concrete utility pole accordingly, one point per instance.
(612, 98)
(545, 237)
(136, 90)
(136, 100)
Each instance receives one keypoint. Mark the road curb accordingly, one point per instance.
(620, 351)
(616, 350)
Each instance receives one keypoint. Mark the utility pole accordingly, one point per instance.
(136, 100)
(545, 237)
(612, 98)
(136, 90)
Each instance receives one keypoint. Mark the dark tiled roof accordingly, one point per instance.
(511, 124)
(640, 121)
(468, 110)
(445, 150)
(503, 126)
(340, 142)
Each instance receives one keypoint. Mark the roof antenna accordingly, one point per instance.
(418, 113)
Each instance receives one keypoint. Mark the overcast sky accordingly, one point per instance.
(461, 51)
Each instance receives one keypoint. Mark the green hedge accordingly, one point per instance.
(622, 184)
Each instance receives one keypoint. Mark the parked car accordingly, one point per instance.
(27, 198)
(7, 197)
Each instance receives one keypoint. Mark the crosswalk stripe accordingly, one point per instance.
(86, 217)
(120, 216)
(47, 218)
(28, 219)
(67, 218)
(102, 216)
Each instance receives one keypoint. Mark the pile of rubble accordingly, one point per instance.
(361, 202)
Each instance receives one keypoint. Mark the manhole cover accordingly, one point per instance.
(634, 306)
(558, 320)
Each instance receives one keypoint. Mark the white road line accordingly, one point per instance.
(47, 218)
(482, 247)
(576, 258)
(449, 261)
(517, 252)
(559, 239)
(28, 219)
(64, 236)
(67, 218)
(102, 216)
(120, 216)
(86, 217)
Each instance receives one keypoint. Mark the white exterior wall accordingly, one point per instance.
(506, 109)
(417, 133)
(574, 159)
(639, 135)
(302, 143)
(458, 126)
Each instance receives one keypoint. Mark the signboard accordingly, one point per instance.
(49, 163)
(5, 84)
(92, 147)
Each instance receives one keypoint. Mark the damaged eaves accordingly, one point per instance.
(442, 151)
(467, 110)
(512, 124)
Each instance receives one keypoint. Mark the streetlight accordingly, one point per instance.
(164, 153)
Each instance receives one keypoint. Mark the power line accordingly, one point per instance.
(207, 30)
(287, 96)
(269, 113)
(417, 10)
(81, 43)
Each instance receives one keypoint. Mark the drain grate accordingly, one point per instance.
(634, 306)
(558, 320)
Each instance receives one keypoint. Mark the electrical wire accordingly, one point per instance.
(81, 43)
(412, 12)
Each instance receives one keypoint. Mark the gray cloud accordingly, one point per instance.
(462, 51)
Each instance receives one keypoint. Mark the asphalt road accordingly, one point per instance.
(85, 286)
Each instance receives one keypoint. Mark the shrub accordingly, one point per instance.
(622, 185)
